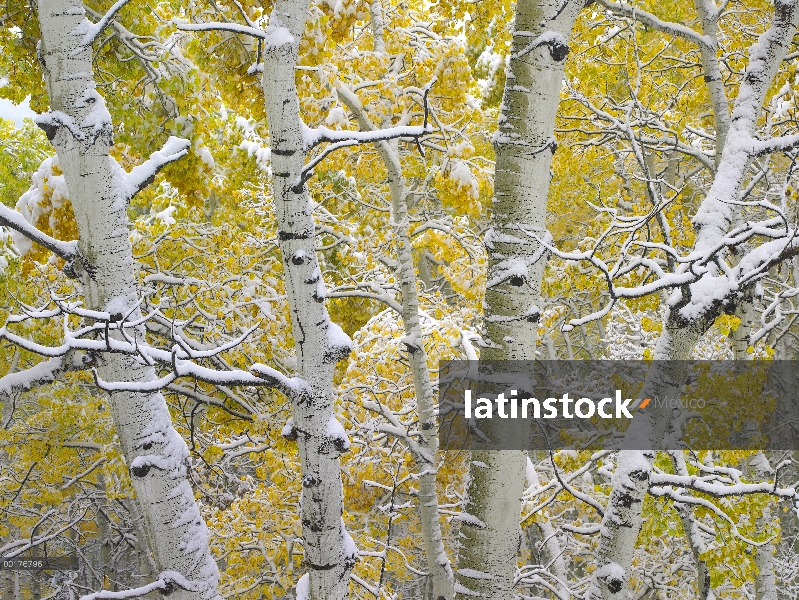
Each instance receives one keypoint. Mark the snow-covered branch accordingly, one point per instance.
(167, 582)
(98, 338)
(650, 20)
(143, 175)
(703, 279)
(782, 143)
(14, 220)
(342, 139)
(42, 373)
(95, 29)
(229, 27)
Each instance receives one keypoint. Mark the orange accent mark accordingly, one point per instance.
(644, 403)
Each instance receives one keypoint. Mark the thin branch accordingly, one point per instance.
(11, 218)
(95, 29)
(650, 20)
(229, 27)
(144, 174)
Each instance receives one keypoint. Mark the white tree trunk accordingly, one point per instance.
(524, 147)
(552, 551)
(329, 550)
(81, 131)
(709, 16)
(622, 520)
(765, 579)
(692, 532)
(437, 561)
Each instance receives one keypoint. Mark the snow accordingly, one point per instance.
(119, 305)
(288, 428)
(7, 248)
(139, 176)
(465, 517)
(47, 190)
(313, 136)
(512, 267)
(629, 462)
(138, 592)
(475, 574)
(293, 384)
(348, 548)
(277, 36)
(205, 156)
(609, 34)
(492, 61)
(304, 588)
(44, 371)
(91, 30)
(469, 350)
(530, 474)
(460, 173)
(337, 116)
(337, 339)
(165, 216)
(335, 432)
(98, 119)
(261, 153)
(611, 571)
(412, 341)
(460, 589)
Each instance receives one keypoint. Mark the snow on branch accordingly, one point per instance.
(720, 487)
(783, 143)
(706, 279)
(14, 220)
(17, 547)
(166, 583)
(144, 174)
(97, 339)
(42, 373)
(650, 20)
(342, 139)
(557, 44)
(92, 30)
(260, 375)
(312, 137)
(229, 27)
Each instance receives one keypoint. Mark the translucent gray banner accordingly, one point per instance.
(636, 405)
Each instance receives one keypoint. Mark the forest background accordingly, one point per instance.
(240, 236)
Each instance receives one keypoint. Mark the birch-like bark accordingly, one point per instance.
(144, 555)
(80, 129)
(329, 550)
(551, 550)
(709, 16)
(692, 532)
(765, 579)
(437, 561)
(524, 146)
(684, 322)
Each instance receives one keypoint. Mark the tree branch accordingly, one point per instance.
(229, 27)
(95, 29)
(44, 372)
(650, 20)
(144, 174)
(11, 218)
